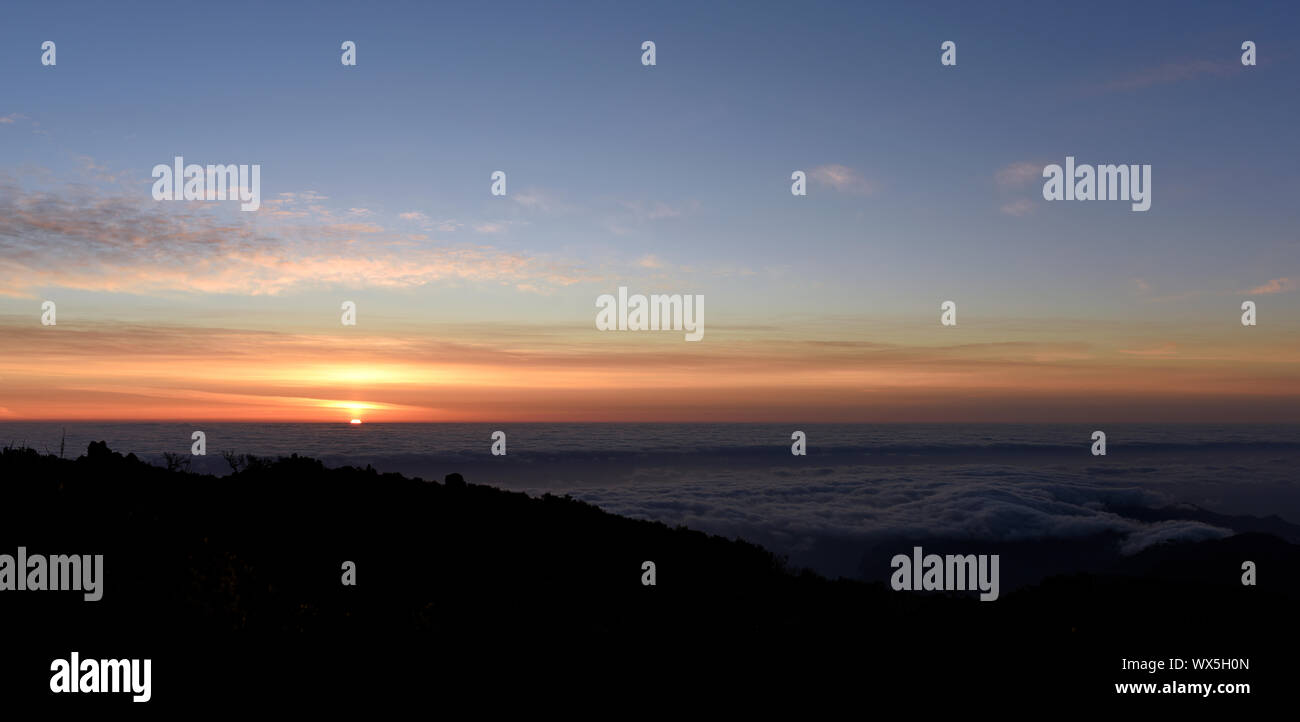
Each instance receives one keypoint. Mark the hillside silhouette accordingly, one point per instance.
(234, 584)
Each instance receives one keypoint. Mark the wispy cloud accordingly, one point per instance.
(843, 179)
(296, 205)
(1173, 72)
(96, 171)
(82, 239)
(1011, 178)
(1019, 173)
(1164, 349)
(658, 210)
(538, 199)
(1276, 285)
(1018, 207)
(429, 224)
(1147, 292)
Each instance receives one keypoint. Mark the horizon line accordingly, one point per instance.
(659, 422)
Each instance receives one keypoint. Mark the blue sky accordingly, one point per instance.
(743, 93)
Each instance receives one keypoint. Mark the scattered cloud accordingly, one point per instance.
(304, 196)
(356, 228)
(295, 205)
(445, 226)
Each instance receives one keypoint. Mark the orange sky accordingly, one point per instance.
(1068, 372)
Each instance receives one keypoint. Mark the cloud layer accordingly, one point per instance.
(82, 239)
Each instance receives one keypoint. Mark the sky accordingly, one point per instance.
(924, 185)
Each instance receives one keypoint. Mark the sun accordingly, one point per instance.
(356, 411)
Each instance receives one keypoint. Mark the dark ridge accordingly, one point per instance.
(234, 583)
